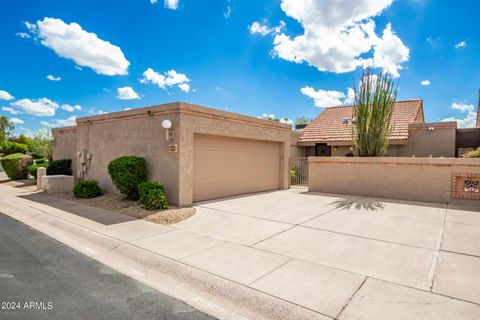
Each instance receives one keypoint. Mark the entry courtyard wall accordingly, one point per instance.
(419, 179)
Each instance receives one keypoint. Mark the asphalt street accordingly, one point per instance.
(40, 278)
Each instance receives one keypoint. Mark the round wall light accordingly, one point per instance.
(166, 124)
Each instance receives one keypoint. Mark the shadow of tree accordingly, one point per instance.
(369, 205)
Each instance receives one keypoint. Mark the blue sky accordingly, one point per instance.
(283, 57)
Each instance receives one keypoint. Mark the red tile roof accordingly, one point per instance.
(329, 126)
(478, 111)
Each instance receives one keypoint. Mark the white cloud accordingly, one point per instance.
(326, 98)
(153, 1)
(267, 116)
(53, 78)
(32, 27)
(425, 83)
(470, 119)
(22, 35)
(461, 44)
(286, 121)
(338, 36)
(262, 29)
(168, 79)
(70, 108)
(271, 116)
(16, 121)
(462, 107)
(228, 12)
(70, 121)
(185, 87)
(11, 110)
(350, 99)
(40, 107)
(127, 93)
(171, 4)
(4, 95)
(70, 41)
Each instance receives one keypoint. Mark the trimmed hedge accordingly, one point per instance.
(152, 195)
(32, 170)
(127, 173)
(60, 167)
(87, 189)
(10, 147)
(15, 165)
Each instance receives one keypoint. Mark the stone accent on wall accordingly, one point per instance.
(466, 186)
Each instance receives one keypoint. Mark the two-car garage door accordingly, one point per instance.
(227, 166)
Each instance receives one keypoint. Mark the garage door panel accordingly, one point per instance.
(226, 166)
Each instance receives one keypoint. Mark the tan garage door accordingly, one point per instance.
(226, 166)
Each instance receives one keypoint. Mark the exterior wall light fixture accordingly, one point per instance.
(169, 133)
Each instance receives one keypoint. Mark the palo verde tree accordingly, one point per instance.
(372, 114)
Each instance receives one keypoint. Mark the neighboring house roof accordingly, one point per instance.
(478, 110)
(330, 125)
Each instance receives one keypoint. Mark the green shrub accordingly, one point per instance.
(10, 147)
(87, 189)
(152, 195)
(127, 173)
(20, 139)
(60, 167)
(15, 165)
(472, 154)
(32, 170)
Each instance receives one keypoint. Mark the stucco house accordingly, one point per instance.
(203, 153)
(330, 134)
(206, 154)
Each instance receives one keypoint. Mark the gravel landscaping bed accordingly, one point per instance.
(112, 202)
(117, 203)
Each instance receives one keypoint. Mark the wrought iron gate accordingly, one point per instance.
(299, 172)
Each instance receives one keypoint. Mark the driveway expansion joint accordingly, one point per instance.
(351, 298)
(436, 253)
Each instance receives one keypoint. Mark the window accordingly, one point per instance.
(322, 150)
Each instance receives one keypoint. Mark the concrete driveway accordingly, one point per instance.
(344, 257)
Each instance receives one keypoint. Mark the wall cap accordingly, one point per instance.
(180, 107)
(396, 160)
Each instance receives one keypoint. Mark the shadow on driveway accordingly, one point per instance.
(365, 204)
(95, 214)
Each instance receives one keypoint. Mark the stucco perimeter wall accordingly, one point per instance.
(136, 132)
(200, 120)
(420, 179)
(64, 145)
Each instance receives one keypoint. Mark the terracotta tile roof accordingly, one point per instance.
(478, 111)
(329, 126)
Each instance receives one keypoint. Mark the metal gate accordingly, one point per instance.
(299, 172)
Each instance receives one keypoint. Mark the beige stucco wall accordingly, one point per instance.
(341, 151)
(139, 132)
(135, 134)
(64, 145)
(296, 151)
(439, 142)
(421, 179)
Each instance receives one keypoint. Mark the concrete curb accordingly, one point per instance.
(218, 297)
